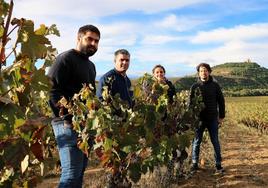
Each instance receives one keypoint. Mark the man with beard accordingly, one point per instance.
(71, 70)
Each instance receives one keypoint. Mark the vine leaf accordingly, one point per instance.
(29, 38)
(15, 150)
(37, 146)
(24, 164)
(5, 100)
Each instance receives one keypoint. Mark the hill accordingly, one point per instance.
(236, 79)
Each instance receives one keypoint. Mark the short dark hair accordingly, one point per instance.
(82, 30)
(207, 66)
(159, 66)
(121, 51)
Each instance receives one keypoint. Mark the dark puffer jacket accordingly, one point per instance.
(212, 98)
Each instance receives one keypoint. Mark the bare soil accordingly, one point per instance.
(245, 160)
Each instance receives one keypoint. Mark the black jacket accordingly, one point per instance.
(171, 91)
(71, 70)
(120, 85)
(212, 98)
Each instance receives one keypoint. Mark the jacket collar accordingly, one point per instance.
(210, 79)
(119, 73)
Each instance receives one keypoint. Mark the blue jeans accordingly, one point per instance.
(212, 127)
(73, 160)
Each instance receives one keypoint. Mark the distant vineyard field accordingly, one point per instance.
(250, 111)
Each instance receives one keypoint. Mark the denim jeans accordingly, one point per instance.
(212, 127)
(73, 160)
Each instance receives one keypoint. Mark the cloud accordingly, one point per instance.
(237, 33)
(120, 33)
(114, 35)
(235, 51)
(152, 6)
(240, 6)
(88, 8)
(160, 39)
(181, 23)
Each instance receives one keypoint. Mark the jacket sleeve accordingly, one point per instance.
(101, 84)
(59, 74)
(221, 102)
(171, 91)
(105, 81)
(192, 94)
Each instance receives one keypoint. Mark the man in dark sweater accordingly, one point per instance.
(116, 79)
(71, 70)
(211, 116)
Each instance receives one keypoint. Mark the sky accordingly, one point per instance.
(178, 34)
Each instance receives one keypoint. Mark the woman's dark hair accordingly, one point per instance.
(207, 66)
(159, 66)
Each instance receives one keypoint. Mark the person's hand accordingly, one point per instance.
(220, 120)
(67, 124)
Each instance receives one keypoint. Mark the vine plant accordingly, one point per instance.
(23, 85)
(132, 141)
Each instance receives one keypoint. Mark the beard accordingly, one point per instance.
(88, 50)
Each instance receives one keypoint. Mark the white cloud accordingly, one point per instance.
(160, 39)
(162, 55)
(119, 34)
(239, 6)
(90, 8)
(115, 35)
(119, 28)
(235, 51)
(241, 32)
(151, 6)
(181, 23)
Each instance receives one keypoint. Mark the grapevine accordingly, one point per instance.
(130, 142)
(25, 138)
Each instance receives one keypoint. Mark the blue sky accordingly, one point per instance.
(178, 34)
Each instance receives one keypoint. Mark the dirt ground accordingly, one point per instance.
(245, 160)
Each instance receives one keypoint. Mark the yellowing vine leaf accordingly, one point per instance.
(24, 164)
(5, 100)
(28, 38)
(42, 30)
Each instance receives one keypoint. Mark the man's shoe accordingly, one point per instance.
(219, 169)
(194, 167)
